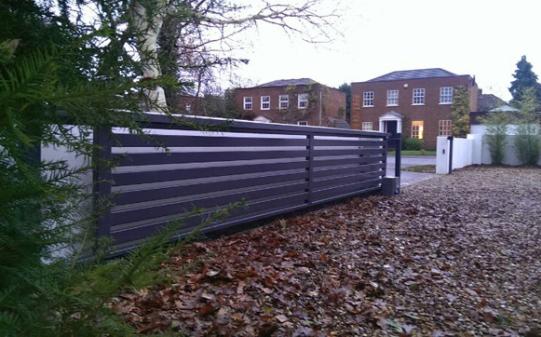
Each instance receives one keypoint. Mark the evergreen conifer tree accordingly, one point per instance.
(524, 78)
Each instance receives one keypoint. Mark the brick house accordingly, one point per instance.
(295, 101)
(416, 103)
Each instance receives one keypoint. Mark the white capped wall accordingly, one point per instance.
(472, 150)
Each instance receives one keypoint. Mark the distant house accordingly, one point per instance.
(488, 102)
(476, 119)
(189, 104)
(416, 103)
(300, 101)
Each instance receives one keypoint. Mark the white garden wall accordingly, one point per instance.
(510, 152)
(463, 153)
(473, 150)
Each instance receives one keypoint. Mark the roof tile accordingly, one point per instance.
(284, 83)
(411, 74)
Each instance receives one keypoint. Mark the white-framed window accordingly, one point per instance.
(418, 97)
(304, 123)
(265, 102)
(417, 129)
(446, 95)
(247, 101)
(283, 101)
(188, 107)
(445, 127)
(368, 99)
(303, 101)
(392, 97)
(367, 126)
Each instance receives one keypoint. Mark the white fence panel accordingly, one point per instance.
(466, 151)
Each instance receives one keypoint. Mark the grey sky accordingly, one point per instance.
(478, 37)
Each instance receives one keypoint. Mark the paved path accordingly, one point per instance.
(408, 178)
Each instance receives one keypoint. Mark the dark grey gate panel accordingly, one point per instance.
(271, 168)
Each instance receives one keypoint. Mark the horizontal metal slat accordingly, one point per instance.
(131, 197)
(346, 170)
(129, 140)
(344, 189)
(341, 180)
(193, 122)
(347, 152)
(258, 210)
(206, 202)
(347, 161)
(133, 159)
(338, 142)
(129, 178)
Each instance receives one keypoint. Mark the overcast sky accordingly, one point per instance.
(478, 37)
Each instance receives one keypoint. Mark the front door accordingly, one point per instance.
(390, 127)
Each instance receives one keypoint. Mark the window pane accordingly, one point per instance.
(417, 129)
(368, 98)
(302, 101)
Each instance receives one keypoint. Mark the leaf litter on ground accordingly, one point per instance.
(457, 255)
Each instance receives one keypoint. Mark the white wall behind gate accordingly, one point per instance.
(472, 150)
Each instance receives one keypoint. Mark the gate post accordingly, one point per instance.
(310, 158)
(102, 178)
(391, 185)
(398, 155)
(450, 139)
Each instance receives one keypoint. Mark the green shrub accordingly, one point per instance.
(527, 141)
(55, 74)
(412, 144)
(527, 144)
(497, 124)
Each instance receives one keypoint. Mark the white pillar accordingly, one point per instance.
(442, 155)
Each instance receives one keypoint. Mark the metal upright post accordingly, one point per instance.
(398, 155)
(102, 177)
(310, 158)
(450, 139)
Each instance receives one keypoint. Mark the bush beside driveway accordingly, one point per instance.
(457, 255)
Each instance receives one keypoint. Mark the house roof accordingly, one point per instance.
(412, 74)
(288, 82)
(488, 102)
(476, 117)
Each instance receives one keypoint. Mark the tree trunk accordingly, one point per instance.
(147, 27)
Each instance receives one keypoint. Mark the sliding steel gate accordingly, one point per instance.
(271, 168)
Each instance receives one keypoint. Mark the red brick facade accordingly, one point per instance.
(430, 113)
(325, 105)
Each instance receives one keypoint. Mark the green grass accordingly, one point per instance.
(421, 169)
(417, 152)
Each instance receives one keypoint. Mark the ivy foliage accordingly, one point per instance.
(460, 112)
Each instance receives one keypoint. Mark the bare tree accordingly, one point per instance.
(187, 39)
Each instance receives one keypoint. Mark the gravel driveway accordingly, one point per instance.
(458, 255)
(406, 177)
